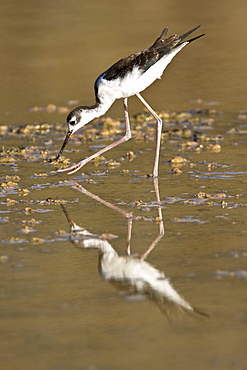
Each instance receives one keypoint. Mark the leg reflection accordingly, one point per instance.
(130, 274)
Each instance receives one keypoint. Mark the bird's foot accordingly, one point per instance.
(151, 176)
(73, 168)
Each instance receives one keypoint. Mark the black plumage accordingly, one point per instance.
(148, 57)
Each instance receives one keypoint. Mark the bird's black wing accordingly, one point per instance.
(146, 58)
(143, 60)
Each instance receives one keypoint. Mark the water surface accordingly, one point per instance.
(57, 310)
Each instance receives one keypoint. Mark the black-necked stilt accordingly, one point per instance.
(123, 79)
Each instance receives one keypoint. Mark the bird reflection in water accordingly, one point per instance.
(133, 277)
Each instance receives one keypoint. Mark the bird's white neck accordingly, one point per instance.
(97, 110)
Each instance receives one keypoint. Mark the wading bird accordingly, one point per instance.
(126, 78)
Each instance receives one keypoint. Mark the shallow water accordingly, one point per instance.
(57, 309)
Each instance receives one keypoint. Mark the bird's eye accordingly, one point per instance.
(72, 123)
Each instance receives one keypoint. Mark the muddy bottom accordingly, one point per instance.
(110, 269)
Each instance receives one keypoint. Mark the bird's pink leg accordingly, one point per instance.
(158, 134)
(126, 137)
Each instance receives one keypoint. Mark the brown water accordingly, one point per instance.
(57, 312)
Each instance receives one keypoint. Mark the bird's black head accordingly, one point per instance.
(74, 119)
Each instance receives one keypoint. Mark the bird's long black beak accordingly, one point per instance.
(69, 133)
